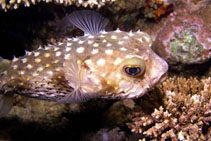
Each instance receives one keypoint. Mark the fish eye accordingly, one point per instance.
(133, 71)
(134, 67)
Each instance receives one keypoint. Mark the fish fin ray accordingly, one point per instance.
(6, 103)
(77, 96)
(88, 21)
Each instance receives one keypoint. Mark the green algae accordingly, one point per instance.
(185, 46)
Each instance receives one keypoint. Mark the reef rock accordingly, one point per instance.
(185, 38)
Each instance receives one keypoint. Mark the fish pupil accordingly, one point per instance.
(133, 70)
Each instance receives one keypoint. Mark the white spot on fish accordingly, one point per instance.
(36, 54)
(113, 37)
(37, 60)
(69, 44)
(95, 51)
(35, 74)
(75, 39)
(90, 42)
(90, 36)
(80, 42)
(103, 75)
(68, 49)
(40, 69)
(24, 60)
(21, 72)
(58, 69)
(29, 66)
(109, 51)
(50, 72)
(104, 41)
(66, 56)
(102, 36)
(120, 42)
(117, 61)
(80, 50)
(48, 48)
(55, 61)
(56, 48)
(58, 53)
(101, 62)
(123, 49)
(95, 45)
(47, 65)
(47, 55)
(108, 44)
(126, 37)
(118, 76)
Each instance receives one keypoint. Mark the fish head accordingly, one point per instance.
(122, 72)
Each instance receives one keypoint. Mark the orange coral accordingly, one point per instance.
(156, 9)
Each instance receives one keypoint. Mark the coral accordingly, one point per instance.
(156, 9)
(14, 4)
(185, 39)
(184, 115)
(29, 109)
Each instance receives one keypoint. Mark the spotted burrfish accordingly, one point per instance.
(100, 64)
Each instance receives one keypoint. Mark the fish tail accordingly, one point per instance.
(6, 100)
(4, 64)
(6, 103)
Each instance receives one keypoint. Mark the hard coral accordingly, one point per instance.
(184, 115)
(14, 4)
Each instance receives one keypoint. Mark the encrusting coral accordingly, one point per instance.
(14, 4)
(184, 115)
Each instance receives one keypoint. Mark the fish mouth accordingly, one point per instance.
(163, 77)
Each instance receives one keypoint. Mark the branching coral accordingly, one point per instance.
(14, 4)
(184, 115)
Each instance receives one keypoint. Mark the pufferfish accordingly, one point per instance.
(100, 64)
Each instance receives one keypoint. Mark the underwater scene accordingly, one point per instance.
(105, 70)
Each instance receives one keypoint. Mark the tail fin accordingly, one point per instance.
(6, 103)
(4, 64)
(6, 100)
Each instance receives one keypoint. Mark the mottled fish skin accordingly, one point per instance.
(85, 67)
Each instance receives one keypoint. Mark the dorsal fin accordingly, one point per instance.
(88, 21)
